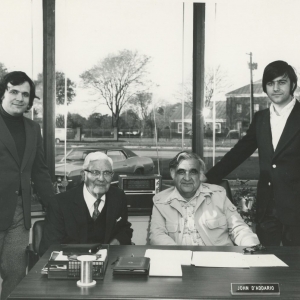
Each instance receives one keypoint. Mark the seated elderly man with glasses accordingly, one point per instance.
(93, 212)
(195, 213)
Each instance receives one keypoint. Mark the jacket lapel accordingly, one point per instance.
(291, 128)
(177, 206)
(112, 204)
(205, 194)
(266, 133)
(78, 209)
(30, 142)
(7, 139)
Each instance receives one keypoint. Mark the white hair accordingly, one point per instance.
(96, 156)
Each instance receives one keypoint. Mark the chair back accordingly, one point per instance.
(225, 184)
(37, 233)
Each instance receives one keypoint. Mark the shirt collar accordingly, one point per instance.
(288, 108)
(89, 198)
(176, 195)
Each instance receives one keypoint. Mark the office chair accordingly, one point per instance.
(225, 184)
(33, 248)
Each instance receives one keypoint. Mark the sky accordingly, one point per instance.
(88, 30)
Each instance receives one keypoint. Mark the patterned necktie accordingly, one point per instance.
(96, 212)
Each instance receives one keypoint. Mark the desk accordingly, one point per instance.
(196, 283)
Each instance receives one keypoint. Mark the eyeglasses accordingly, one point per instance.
(106, 174)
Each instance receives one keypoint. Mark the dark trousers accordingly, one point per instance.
(13, 242)
(271, 232)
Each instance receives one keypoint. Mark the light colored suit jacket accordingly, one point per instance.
(216, 219)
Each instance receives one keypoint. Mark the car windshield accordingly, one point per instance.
(130, 153)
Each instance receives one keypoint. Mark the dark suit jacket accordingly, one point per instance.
(279, 170)
(15, 173)
(66, 221)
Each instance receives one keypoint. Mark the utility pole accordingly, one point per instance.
(252, 66)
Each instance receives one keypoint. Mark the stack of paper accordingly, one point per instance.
(235, 260)
(168, 262)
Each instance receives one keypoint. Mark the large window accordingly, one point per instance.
(129, 70)
(237, 31)
(128, 66)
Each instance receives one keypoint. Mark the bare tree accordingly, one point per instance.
(218, 79)
(117, 78)
(141, 104)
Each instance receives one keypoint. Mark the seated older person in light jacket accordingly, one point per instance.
(196, 213)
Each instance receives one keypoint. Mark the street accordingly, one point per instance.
(249, 169)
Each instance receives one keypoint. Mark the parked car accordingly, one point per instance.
(235, 134)
(60, 134)
(125, 162)
(130, 134)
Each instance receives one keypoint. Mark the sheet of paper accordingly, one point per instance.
(61, 257)
(167, 262)
(219, 259)
(183, 257)
(165, 268)
(102, 252)
(265, 260)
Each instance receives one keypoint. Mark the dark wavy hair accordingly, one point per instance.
(183, 155)
(17, 78)
(279, 68)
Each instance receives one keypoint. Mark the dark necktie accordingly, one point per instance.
(96, 212)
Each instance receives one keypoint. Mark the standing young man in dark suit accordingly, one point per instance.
(275, 132)
(93, 212)
(21, 160)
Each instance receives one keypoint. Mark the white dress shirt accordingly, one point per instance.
(278, 120)
(90, 200)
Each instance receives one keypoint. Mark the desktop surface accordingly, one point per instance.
(195, 283)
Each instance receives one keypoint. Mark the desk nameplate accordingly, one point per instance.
(255, 289)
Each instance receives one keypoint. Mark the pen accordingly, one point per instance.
(116, 260)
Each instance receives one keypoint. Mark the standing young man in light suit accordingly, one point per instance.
(275, 132)
(21, 160)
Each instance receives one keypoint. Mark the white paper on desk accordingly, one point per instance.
(183, 257)
(265, 260)
(165, 268)
(219, 259)
(167, 262)
(102, 252)
(61, 257)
